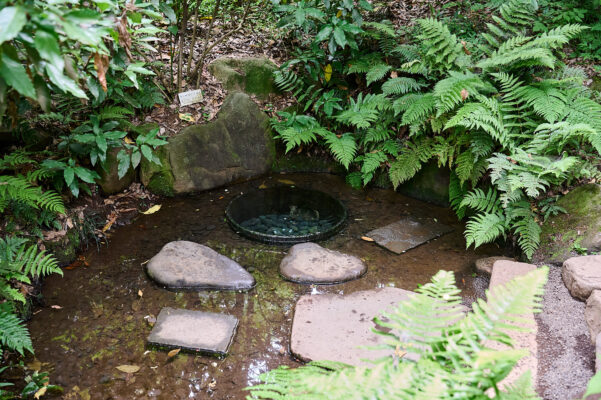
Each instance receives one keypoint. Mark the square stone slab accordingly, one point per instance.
(407, 233)
(339, 328)
(194, 330)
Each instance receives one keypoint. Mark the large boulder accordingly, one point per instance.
(582, 275)
(237, 145)
(253, 75)
(580, 228)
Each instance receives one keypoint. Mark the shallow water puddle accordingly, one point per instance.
(104, 323)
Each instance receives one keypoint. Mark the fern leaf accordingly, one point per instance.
(484, 228)
(14, 334)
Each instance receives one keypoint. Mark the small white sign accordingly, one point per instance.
(190, 97)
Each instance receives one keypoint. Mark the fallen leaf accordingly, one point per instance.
(328, 72)
(56, 307)
(263, 186)
(394, 74)
(367, 239)
(173, 353)
(35, 365)
(186, 117)
(128, 140)
(140, 293)
(40, 392)
(129, 369)
(464, 94)
(286, 181)
(101, 63)
(152, 210)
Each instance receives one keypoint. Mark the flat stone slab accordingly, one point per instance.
(192, 266)
(582, 275)
(334, 327)
(592, 314)
(311, 263)
(504, 271)
(598, 354)
(193, 330)
(484, 265)
(407, 233)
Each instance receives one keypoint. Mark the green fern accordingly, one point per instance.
(455, 360)
(485, 228)
(13, 333)
(19, 189)
(344, 148)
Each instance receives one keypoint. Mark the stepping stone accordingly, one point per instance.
(592, 314)
(407, 233)
(598, 354)
(311, 263)
(192, 266)
(197, 331)
(502, 272)
(334, 327)
(484, 265)
(582, 275)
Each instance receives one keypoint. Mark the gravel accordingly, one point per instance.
(566, 355)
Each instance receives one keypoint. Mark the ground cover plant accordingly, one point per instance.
(506, 116)
(71, 76)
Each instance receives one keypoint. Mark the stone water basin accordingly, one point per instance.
(103, 322)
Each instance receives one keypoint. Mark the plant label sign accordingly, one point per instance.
(190, 97)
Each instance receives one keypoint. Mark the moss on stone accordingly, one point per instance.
(253, 75)
(158, 178)
(579, 228)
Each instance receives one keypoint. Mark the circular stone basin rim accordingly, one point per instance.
(278, 200)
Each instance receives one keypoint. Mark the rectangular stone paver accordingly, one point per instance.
(503, 272)
(407, 233)
(194, 330)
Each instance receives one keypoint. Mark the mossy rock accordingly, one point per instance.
(65, 248)
(237, 145)
(158, 178)
(578, 229)
(252, 75)
(430, 184)
(109, 181)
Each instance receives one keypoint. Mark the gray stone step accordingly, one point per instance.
(197, 331)
(192, 266)
(407, 233)
(311, 263)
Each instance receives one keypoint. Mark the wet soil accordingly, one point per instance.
(101, 323)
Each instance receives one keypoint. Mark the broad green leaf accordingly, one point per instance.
(101, 143)
(136, 158)
(146, 151)
(12, 20)
(69, 175)
(14, 75)
(64, 82)
(324, 33)
(123, 165)
(340, 37)
(139, 68)
(86, 175)
(594, 386)
(42, 93)
(47, 45)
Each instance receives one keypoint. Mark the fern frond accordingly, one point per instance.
(344, 148)
(484, 228)
(401, 85)
(443, 47)
(455, 89)
(13, 333)
(377, 72)
(480, 201)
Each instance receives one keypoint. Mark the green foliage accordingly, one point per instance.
(455, 359)
(506, 115)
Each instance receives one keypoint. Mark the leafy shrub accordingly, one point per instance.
(457, 363)
(506, 119)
